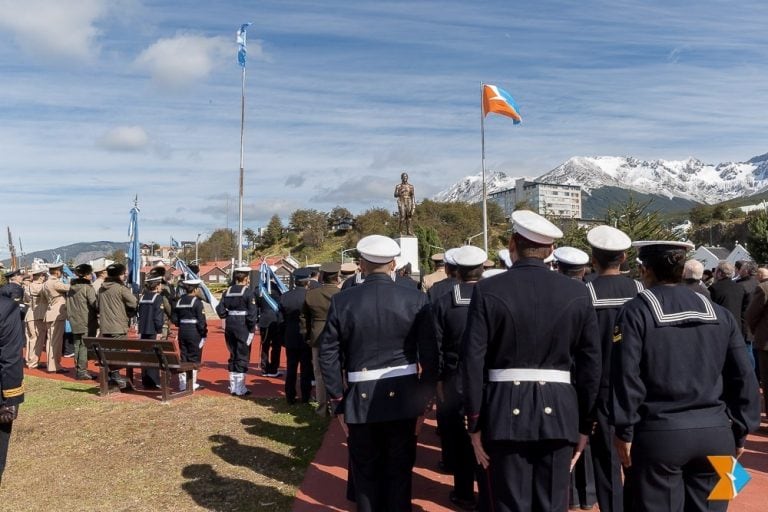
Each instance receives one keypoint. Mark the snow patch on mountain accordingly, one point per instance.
(470, 188)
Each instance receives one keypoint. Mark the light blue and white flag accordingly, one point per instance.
(241, 41)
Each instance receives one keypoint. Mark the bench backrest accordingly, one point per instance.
(133, 352)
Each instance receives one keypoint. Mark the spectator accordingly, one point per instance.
(692, 274)
(116, 305)
(82, 315)
(757, 319)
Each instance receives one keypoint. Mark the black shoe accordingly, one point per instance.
(85, 376)
(462, 503)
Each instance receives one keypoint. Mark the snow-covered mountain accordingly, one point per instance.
(470, 188)
(689, 179)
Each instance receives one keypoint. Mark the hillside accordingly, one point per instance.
(78, 252)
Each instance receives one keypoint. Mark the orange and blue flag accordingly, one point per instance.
(733, 477)
(499, 101)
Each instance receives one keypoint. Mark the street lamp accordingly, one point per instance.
(197, 243)
(469, 240)
(343, 252)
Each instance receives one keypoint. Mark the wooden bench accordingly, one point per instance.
(113, 354)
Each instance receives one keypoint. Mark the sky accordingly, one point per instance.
(105, 100)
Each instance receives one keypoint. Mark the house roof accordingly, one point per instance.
(208, 268)
(720, 253)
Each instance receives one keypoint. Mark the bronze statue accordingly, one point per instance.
(406, 204)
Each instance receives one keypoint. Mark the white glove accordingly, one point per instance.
(249, 340)
(202, 342)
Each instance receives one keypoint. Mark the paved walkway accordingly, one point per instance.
(324, 486)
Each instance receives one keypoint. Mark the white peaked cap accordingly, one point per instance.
(504, 256)
(450, 256)
(470, 256)
(400, 262)
(608, 239)
(378, 249)
(647, 243)
(571, 256)
(534, 227)
(192, 282)
(550, 258)
(243, 269)
(493, 272)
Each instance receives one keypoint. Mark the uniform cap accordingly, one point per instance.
(493, 272)
(331, 267)
(450, 256)
(470, 256)
(571, 256)
(153, 280)
(534, 227)
(99, 267)
(488, 264)
(348, 268)
(438, 256)
(243, 269)
(301, 274)
(83, 269)
(55, 265)
(550, 258)
(115, 270)
(504, 256)
(667, 243)
(378, 249)
(37, 269)
(12, 273)
(608, 238)
(400, 262)
(192, 282)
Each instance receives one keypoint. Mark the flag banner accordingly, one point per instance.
(498, 101)
(134, 251)
(242, 44)
(188, 274)
(174, 243)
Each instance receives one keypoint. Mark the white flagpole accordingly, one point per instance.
(242, 130)
(482, 144)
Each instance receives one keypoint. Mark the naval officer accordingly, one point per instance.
(528, 413)
(682, 387)
(378, 335)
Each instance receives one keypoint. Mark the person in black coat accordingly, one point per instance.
(238, 307)
(298, 353)
(527, 415)
(378, 340)
(270, 333)
(151, 322)
(188, 315)
(11, 372)
(681, 387)
(14, 290)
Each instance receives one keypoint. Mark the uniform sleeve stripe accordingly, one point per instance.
(13, 392)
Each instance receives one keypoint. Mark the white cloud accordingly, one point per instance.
(179, 61)
(125, 138)
(49, 29)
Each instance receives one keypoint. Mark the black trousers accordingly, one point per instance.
(189, 344)
(382, 456)
(455, 440)
(5, 439)
(670, 470)
(150, 377)
(606, 464)
(236, 337)
(270, 348)
(528, 476)
(300, 356)
(583, 493)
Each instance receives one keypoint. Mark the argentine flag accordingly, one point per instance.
(241, 41)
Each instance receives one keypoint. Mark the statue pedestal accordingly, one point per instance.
(409, 249)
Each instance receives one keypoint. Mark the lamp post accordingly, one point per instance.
(197, 243)
(343, 252)
(469, 240)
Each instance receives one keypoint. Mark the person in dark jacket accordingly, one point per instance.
(152, 310)
(82, 313)
(681, 386)
(116, 305)
(449, 312)
(11, 372)
(14, 290)
(528, 417)
(270, 333)
(238, 307)
(692, 274)
(188, 315)
(297, 351)
(376, 338)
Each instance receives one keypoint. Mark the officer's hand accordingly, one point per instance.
(202, 342)
(477, 445)
(8, 413)
(579, 449)
(739, 451)
(623, 449)
(249, 340)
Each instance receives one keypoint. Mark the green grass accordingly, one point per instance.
(71, 450)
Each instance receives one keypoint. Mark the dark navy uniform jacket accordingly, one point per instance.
(189, 317)
(358, 279)
(268, 317)
(291, 304)
(15, 292)
(151, 314)
(530, 317)
(11, 345)
(679, 362)
(440, 288)
(608, 294)
(450, 315)
(239, 298)
(379, 324)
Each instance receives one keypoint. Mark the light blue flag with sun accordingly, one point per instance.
(241, 42)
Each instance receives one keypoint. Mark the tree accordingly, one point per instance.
(375, 221)
(251, 237)
(429, 244)
(220, 245)
(118, 256)
(274, 231)
(338, 215)
(701, 215)
(573, 235)
(311, 224)
(757, 240)
(638, 221)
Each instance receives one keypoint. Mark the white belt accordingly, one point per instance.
(529, 375)
(382, 373)
(237, 313)
(188, 321)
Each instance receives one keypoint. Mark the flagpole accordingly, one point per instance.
(242, 172)
(482, 144)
